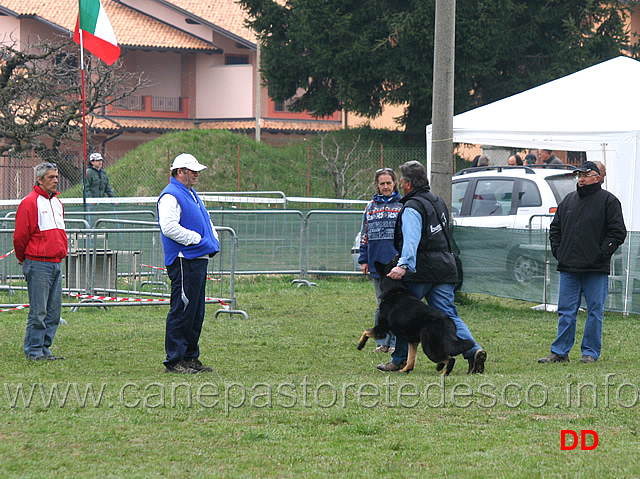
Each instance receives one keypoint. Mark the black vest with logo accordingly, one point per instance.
(434, 261)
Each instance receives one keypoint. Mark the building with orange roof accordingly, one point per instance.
(199, 56)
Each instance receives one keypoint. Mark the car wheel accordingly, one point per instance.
(525, 268)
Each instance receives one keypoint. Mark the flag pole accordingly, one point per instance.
(84, 127)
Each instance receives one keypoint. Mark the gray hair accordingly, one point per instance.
(415, 173)
(484, 160)
(385, 171)
(40, 171)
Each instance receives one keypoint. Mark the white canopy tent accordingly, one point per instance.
(596, 110)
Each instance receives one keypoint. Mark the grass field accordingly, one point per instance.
(290, 396)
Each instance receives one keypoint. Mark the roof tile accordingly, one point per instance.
(132, 28)
(224, 13)
(116, 124)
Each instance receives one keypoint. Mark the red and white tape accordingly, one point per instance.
(110, 298)
(22, 306)
(139, 300)
(153, 267)
(7, 254)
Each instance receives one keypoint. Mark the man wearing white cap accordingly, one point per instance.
(189, 239)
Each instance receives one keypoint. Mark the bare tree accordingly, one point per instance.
(41, 97)
(342, 166)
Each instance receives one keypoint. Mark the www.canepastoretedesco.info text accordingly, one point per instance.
(308, 394)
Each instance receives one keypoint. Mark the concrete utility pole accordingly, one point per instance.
(442, 107)
(258, 80)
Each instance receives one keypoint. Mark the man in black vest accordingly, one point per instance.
(426, 262)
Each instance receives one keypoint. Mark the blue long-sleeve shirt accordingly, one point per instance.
(411, 233)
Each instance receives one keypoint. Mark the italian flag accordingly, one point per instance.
(97, 32)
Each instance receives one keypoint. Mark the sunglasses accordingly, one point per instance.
(51, 165)
(380, 170)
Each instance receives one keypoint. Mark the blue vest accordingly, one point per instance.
(194, 216)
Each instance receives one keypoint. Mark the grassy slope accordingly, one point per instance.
(143, 171)
(148, 164)
(304, 338)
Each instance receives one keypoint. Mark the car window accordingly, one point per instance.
(492, 198)
(458, 191)
(529, 194)
(562, 185)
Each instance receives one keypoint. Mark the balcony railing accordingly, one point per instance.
(133, 103)
(151, 106)
(166, 103)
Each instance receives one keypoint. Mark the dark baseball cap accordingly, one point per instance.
(588, 166)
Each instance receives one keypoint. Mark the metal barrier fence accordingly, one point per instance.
(292, 242)
(121, 266)
(269, 241)
(124, 257)
(326, 232)
(518, 264)
(510, 263)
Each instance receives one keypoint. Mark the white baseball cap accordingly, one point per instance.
(185, 160)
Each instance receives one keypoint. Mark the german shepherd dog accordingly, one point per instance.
(408, 317)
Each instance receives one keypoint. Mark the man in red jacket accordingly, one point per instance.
(40, 243)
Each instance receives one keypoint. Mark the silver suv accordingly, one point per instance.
(523, 197)
(512, 197)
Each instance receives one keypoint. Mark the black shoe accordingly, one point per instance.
(476, 363)
(36, 358)
(587, 359)
(198, 366)
(181, 367)
(391, 366)
(554, 358)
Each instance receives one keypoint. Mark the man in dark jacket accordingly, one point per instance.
(426, 262)
(547, 157)
(97, 182)
(586, 230)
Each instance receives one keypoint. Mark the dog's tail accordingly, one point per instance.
(459, 346)
(369, 333)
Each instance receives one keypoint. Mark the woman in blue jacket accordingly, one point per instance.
(376, 237)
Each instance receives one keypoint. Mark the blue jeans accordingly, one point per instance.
(186, 313)
(390, 339)
(595, 288)
(44, 283)
(441, 296)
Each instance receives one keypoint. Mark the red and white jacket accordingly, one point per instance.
(39, 233)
